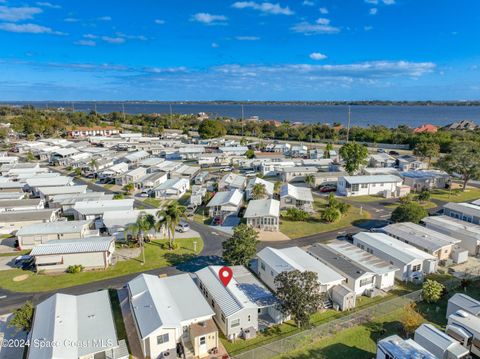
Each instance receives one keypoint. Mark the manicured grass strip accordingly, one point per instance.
(314, 225)
(468, 195)
(363, 199)
(117, 315)
(15, 253)
(156, 256)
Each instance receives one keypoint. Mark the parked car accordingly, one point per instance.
(144, 194)
(393, 153)
(191, 208)
(381, 150)
(226, 169)
(182, 227)
(346, 237)
(25, 262)
(328, 188)
(217, 221)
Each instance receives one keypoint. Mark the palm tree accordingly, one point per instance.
(129, 188)
(259, 191)
(93, 163)
(144, 223)
(310, 180)
(170, 218)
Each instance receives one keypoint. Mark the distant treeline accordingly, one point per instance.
(52, 123)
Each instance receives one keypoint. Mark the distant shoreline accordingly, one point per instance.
(275, 103)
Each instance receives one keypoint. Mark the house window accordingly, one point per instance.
(213, 303)
(364, 185)
(416, 268)
(223, 318)
(162, 339)
(235, 323)
(202, 340)
(249, 318)
(262, 265)
(366, 281)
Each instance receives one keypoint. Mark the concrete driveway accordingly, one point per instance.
(6, 334)
(6, 263)
(228, 224)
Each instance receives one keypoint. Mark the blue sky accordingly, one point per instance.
(239, 50)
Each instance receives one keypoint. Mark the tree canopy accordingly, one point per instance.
(241, 247)
(211, 129)
(463, 159)
(299, 295)
(409, 212)
(355, 155)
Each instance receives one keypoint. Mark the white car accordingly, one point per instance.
(182, 227)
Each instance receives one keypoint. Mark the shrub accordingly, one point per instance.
(409, 212)
(343, 207)
(295, 214)
(432, 291)
(76, 268)
(331, 215)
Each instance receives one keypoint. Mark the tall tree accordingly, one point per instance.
(22, 317)
(427, 149)
(410, 319)
(129, 188)
(310, 180)
(299, 295)
(170, 218)
(242, 246)
(409, 212)
(464, 159)
(144, 223)
(212, 129)
(354, 155)
(259, 191)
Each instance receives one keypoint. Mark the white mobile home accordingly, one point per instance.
(263, 214)
(465, 328)
(13, 221)
(468, 233)
(460, 301)
(465, 211)
(224, 204)
(168, 311)
(385, 185)
(438, 343)
(242, 307)
(394, 347)
(173, 188)
(35, 234)
(384, 271)
(269, 187)
(296, 197)
(72, 327)
(437, 244)
(95, 209)
(91, 253)
(272, 262)
(410, 260)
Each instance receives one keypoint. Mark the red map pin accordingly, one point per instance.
(225, 274)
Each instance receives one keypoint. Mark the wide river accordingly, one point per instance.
(390, 116)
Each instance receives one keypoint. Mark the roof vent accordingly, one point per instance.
(91, 316)
(462, 313)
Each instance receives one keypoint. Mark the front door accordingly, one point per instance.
(203, 346)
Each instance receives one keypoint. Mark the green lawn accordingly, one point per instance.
(425, 204)
(289, 328)
(363, 199)
(15, 253)
(117, 315)
(155, 257)
(297, 229)
(359, 342)
(469, 194)
(153, 202)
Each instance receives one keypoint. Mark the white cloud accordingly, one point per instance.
(323, 10)
(71, 19)
(113, 40)
(308, 3)
(317, 56)
(368, 28)
(373, 11)
(215, 45)
(389, 2)
(314, 29)
(90, 36)
(159, 21)
(374, 2)
(265, 7)
(105, 18)
(85, 43)
(247, 38)
(29, 29)
(209, 19)
(48, 4)
(18, 13)
(323, 21)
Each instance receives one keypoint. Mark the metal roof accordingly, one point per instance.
(465, 208)
(294, 258)
(95, 207)
(22, 216)
(299, 193)
(405, 349)
(453, 226)
(49, 182)
(15, 203)
(69, 246)
(439, 339)
(174, 183)
(419, 236)
(231, 299)
(262, 207)
(64, 319)
(424, 174)
(393, 247)
(53, 227)
(269, 186)
(333, 259)
(233, 197)
(363, 258)
(466, 302)
(166, 302)
(49, 191)
(372, 179)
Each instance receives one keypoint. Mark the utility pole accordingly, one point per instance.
(348, 126)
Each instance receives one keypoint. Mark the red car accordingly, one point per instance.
(326, 189)
(217, 221)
